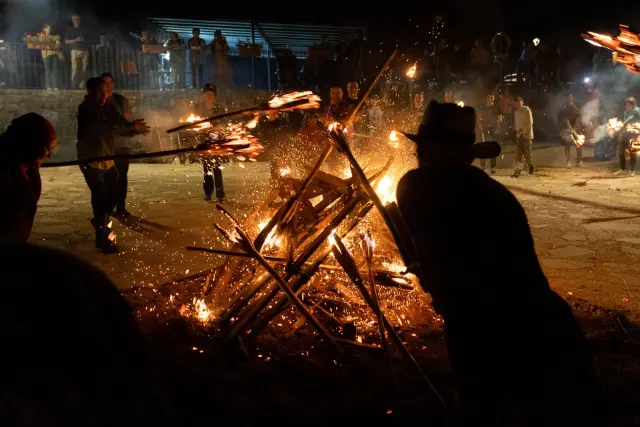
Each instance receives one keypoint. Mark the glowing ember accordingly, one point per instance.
(285, 172)
(393, 135)
(411, 72)
(335, 126)
(460, 104)
(262, 225)
(346, 174)
(202, 312)
(280, 102)
(332, 239)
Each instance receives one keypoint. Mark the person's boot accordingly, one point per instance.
(532, 169)
(105, 240)
(121, 211)
(207, 197)
(580, 164)
(619, 172)
(568, 165)
(516, 173)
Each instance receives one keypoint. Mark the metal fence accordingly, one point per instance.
(24, 68)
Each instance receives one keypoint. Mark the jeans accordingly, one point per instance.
(197, 76)
(212, 178)
(178, 75)
(101, 183)
(523, 149)
(623, 145)
(122, 183)
(50, 71)
(79, 65)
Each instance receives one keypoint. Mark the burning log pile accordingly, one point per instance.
(333, 255)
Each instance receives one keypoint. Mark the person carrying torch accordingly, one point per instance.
(631, 116)
(569, 121)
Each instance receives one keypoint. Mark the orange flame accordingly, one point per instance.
(280, 102)
(251, 124)
(411, 72)
(192, 118)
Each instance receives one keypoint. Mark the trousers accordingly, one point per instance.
(623, 145)
(79, 65)
(523, 150)
(122, 183)
(197, 76)
(101, 183)
(212, 178)
(50, 71)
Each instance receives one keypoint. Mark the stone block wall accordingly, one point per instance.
(161, 109)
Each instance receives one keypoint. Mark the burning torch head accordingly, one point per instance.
(448, 130)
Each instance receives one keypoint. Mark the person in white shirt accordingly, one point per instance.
(523, 124)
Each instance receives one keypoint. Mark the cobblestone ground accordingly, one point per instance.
(585, 222)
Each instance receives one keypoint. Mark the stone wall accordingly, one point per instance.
(161, 109)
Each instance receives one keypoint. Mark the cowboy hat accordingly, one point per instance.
(452, 127)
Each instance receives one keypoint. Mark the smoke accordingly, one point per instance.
(27, 16)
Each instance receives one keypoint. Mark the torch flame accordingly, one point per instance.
(280, 102)
(411, 72)
(251, 124)
(579, 140)
(393, 136)
(625, 47)
(460, 104)
(192, 118)
(614, 124)
(385, 190)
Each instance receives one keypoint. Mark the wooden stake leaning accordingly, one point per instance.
(246, 244)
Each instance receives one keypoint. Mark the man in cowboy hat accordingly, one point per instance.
(531, 361)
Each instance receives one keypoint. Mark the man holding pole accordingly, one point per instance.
(533, 364)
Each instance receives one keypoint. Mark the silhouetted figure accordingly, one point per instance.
(28, 140)
(518, 355)
(211, 165)
(72, 352)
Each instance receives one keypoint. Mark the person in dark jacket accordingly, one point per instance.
(97, 128)
(570, 128)
(118, 107)
(28, 140)
(529, 364)
(211, 165)
(631, 116)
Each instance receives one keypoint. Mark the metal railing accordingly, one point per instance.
(24, 68)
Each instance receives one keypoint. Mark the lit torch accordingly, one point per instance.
(393, 139)
(411, 72)
(460, 104)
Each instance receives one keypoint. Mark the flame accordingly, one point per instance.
(460, 104)
(614, 124)
(332, 239)
(411, 72)
(394, 267)
(579, 140)
(385, 190)
(251, 124)
(285, 172)
(263, 224)
(192, 118)
(346, 174)
(280, 102)
(393, 136)
(334, 126)
(203, 313)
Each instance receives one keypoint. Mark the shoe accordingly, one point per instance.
(105, 240)
(619, 172)
(568, 165)
(207, 198)
(632, 173)
(121, 211)
(222, 199)
(516, 173)
(493, 171)
(532, 169)
(580, 164)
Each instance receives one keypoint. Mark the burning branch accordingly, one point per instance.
(240, 237)
(625, 48)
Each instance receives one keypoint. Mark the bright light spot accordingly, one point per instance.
(587, 79)
(460, 104)
(285, 172)
(203, 313)
(536, 41)
(411, 72)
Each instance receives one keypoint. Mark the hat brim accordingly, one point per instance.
(480, 150)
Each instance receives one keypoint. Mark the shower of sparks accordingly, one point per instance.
(625, 48)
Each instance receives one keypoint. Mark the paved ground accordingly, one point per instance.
(585, 222)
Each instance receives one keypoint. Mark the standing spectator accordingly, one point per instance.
(338, 110)
(352, 93)
(631, 115)
(177, 56)
(197, 47)
(105, 58)
(75, 39)
(479, 58)
(523, 124)
(211, 165)
(222, 76)
(50, 59)
(569, 124)
(119, 111)
(150, 62)
(489, 126)
(28, 140)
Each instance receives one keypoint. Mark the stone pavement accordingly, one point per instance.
(585, 222)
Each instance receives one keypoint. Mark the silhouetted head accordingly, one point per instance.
(29, 140)
(446, 137)
(196, 32)
(570, 99)
(96, 88)
(336, 95)
(352, 89)
(107, 78)
(447, 96)
(519, 102)
(72, 352)
(75, 19)
(174, 35)
(210, 93)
